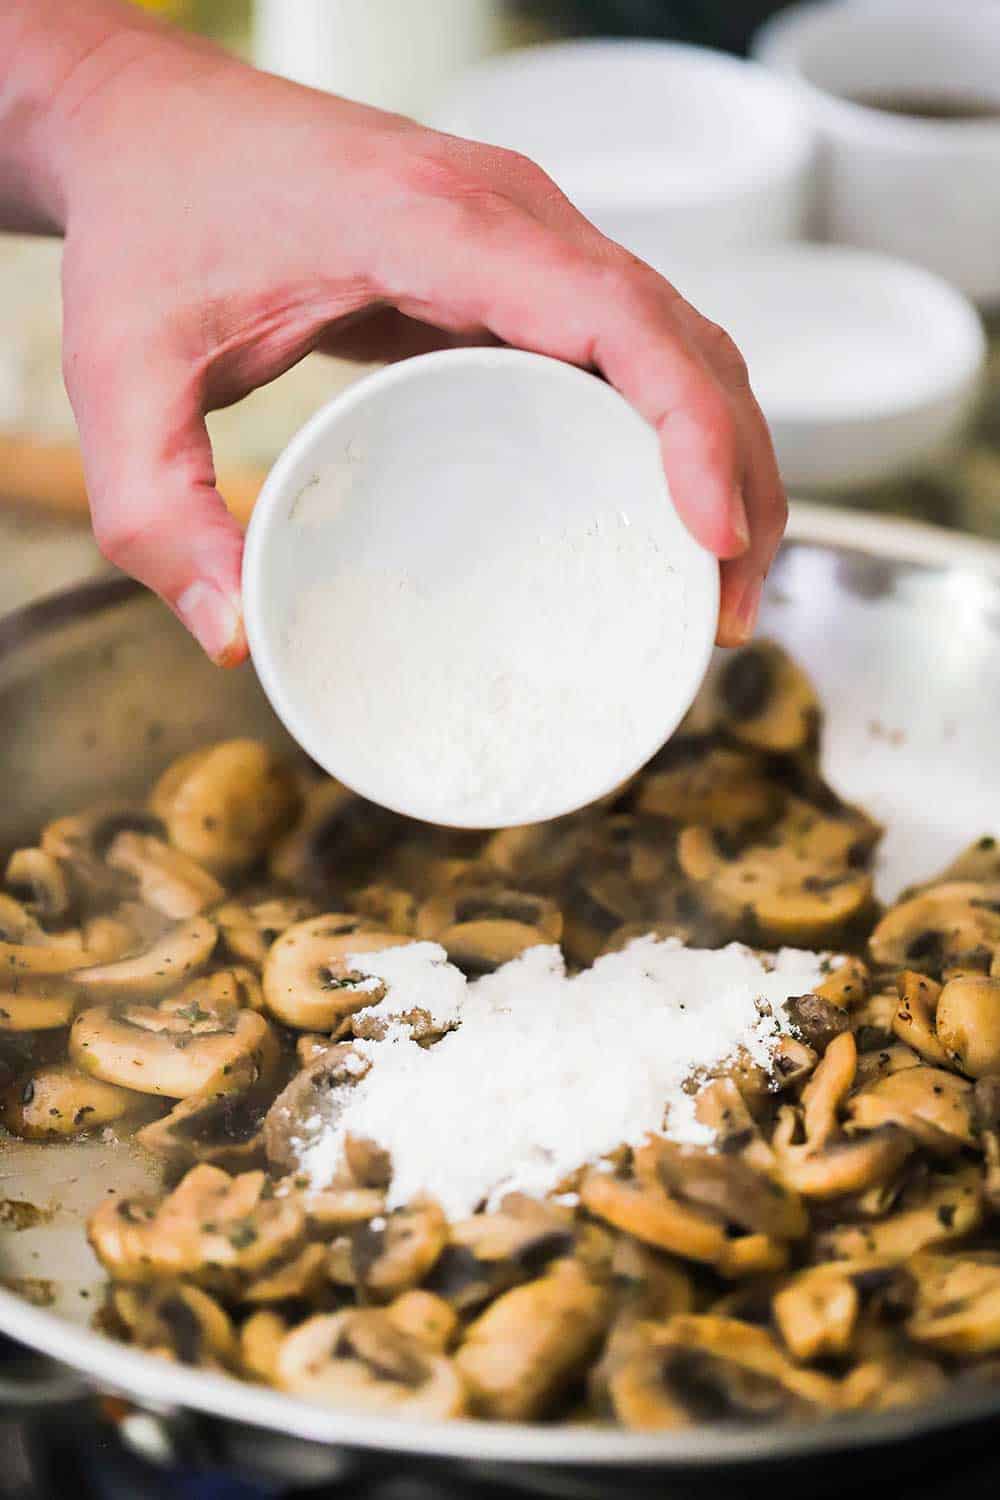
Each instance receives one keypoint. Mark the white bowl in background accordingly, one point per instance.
(864, 366)
(468, 594)
(924, 189)
(671, 139)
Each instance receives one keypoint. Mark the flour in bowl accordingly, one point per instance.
(542, 1071)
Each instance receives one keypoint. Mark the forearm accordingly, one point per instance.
(53, 55)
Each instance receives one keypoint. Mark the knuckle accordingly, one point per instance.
(725, 353)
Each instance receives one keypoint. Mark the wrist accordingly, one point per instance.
(62, 58)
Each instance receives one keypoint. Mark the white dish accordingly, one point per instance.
(864, 366)
(467, 540)
(920, 188)
(672, 139)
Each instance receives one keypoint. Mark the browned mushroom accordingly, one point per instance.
(222, 1122)
(483, 927)
(766, 700)
(958, 1304)
(248, 930)
(261, 1337)
(361, 1359)
(967, 1022)
(945, 1207)
(39, 881)
(181, 1322)
(940, 927)
(393, 1254)
(56, 1101)
(311, 1103)
(168, 880)
(387, 908)
(225, 805)
(179, 955)
(816, 1313)
(333, 842)
(308, 981)
(913, 1021)
(935, 1107)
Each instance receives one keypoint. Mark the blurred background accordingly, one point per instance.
(407, 55)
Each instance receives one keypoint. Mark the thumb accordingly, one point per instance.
(156, 512)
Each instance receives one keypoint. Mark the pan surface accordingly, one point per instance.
(899, 626)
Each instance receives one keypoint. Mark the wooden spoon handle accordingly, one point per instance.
(48, 478)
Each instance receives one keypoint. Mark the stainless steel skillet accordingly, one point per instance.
(99, 688)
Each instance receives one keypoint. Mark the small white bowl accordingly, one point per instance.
(920, 188)
(864, 366)
(468, 594)
(672, 139)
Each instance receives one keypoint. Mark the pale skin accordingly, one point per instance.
(221, 223)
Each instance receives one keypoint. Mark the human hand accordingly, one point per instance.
(221, 223)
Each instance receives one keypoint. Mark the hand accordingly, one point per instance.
(221, 223)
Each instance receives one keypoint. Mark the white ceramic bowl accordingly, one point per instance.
(927, 190)
(468, 595)
(864, 366)
(672, 139)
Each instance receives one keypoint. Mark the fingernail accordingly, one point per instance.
(738, 516)
(214, 620)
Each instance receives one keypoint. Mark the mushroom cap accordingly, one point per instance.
(44, 1005)
(181, 1321)
(39, 879)
(168, 880)
(360, 1358)
(396, 1256)
(967, 1022)
(175, 958)
(308, 983)
(722, 787)
(58, 1100)
(167, 1052)
(934, 1106)
(226, 804)
(482, 927)
(958, 1305)
(766, 700)
(938, 927)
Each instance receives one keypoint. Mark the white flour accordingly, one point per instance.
(545, 1072)
(494, 689)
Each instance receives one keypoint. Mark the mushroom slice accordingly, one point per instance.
(387, 908)
(335, 840)
(180, 954)
(791, 1063)
(164, 1051)
(168, 880)
(726, 1187)
(17, 925)
(934, 1106)
(360, 1359)
(646, 1210)
(81, 841)
(986, 1110)
(213, 1229)
(483, 927)
(222, 1122)
(766, 700)
(848, 1165)
(249, 931)
(712, 1369)
(848, 984)
(308, 982)
(771, 893)
(939, 928)
(301, 1277)
(525, 1243)
(958, 1306)
(393, 1254)
(520, 1354)
(342, 1207)
(182, 1321)
(310, 1104)
(44, 1005)
(967, 1022)
(913, 1021)
(882, 1064)
(261, 1337)
(39, 880)
(57, 1101)
(225, 805)
(720, 787)
(721, 1107)
(424, 1317)
(817, 1312)
(816, 1020)
(944, 1208)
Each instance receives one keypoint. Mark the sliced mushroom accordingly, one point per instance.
(848, 984)
(387, 908)
(712, 1369)
(172, 1050)
(483, 927)
(767, 701)
(942, 1209)
(770, 893)
(43, 1005)
(225, 805)
(939, 928)
(334, 842)
(428, 1319)
(56, 1101)
(180, 1321)
(299, 1277)
(308, 982)
(213, 1229)
(361, 1359)
(883, 1063)
(958, 1305)
(817, 1312)
(967, 1022)
(222, 1122)
(913, 1021)
(310, 1104)
(935, 1107)
(519, 1355)
(724, 1186)
(986, 1110)
(38, 879)
(816, 1020)
(394, 1254)
(645, 1210)
(720, 787)
(81, 841)
(722, 1108)
(168, 880)
(261, 1337)
(249, 931)
(177, 957)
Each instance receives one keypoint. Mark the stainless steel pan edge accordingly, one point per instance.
(818, 540)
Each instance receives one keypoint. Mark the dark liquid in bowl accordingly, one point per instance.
(930, 106)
